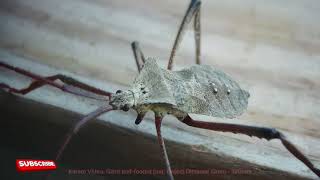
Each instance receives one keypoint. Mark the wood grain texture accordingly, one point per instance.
(272, 48)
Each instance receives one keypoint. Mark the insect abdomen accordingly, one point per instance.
(208, 91)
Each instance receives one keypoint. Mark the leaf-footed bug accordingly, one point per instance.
(199, 89)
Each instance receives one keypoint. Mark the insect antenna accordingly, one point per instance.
(76, 127)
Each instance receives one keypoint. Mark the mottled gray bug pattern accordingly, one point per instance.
(200, 89)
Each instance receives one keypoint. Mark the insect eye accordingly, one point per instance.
(118, 91)
(125, 107)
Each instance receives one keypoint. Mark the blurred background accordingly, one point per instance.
(271, 47)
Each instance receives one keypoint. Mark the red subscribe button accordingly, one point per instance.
(24, 165)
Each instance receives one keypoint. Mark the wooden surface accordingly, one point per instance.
(272, 48)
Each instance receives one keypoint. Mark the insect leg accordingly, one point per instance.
(158, 121)
(138, 55)
(75, 128)
(193, 10)
(40, 81)
(260, 132)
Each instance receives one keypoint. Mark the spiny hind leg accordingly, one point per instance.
(260, 132)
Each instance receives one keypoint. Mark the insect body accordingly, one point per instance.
(199, 89)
